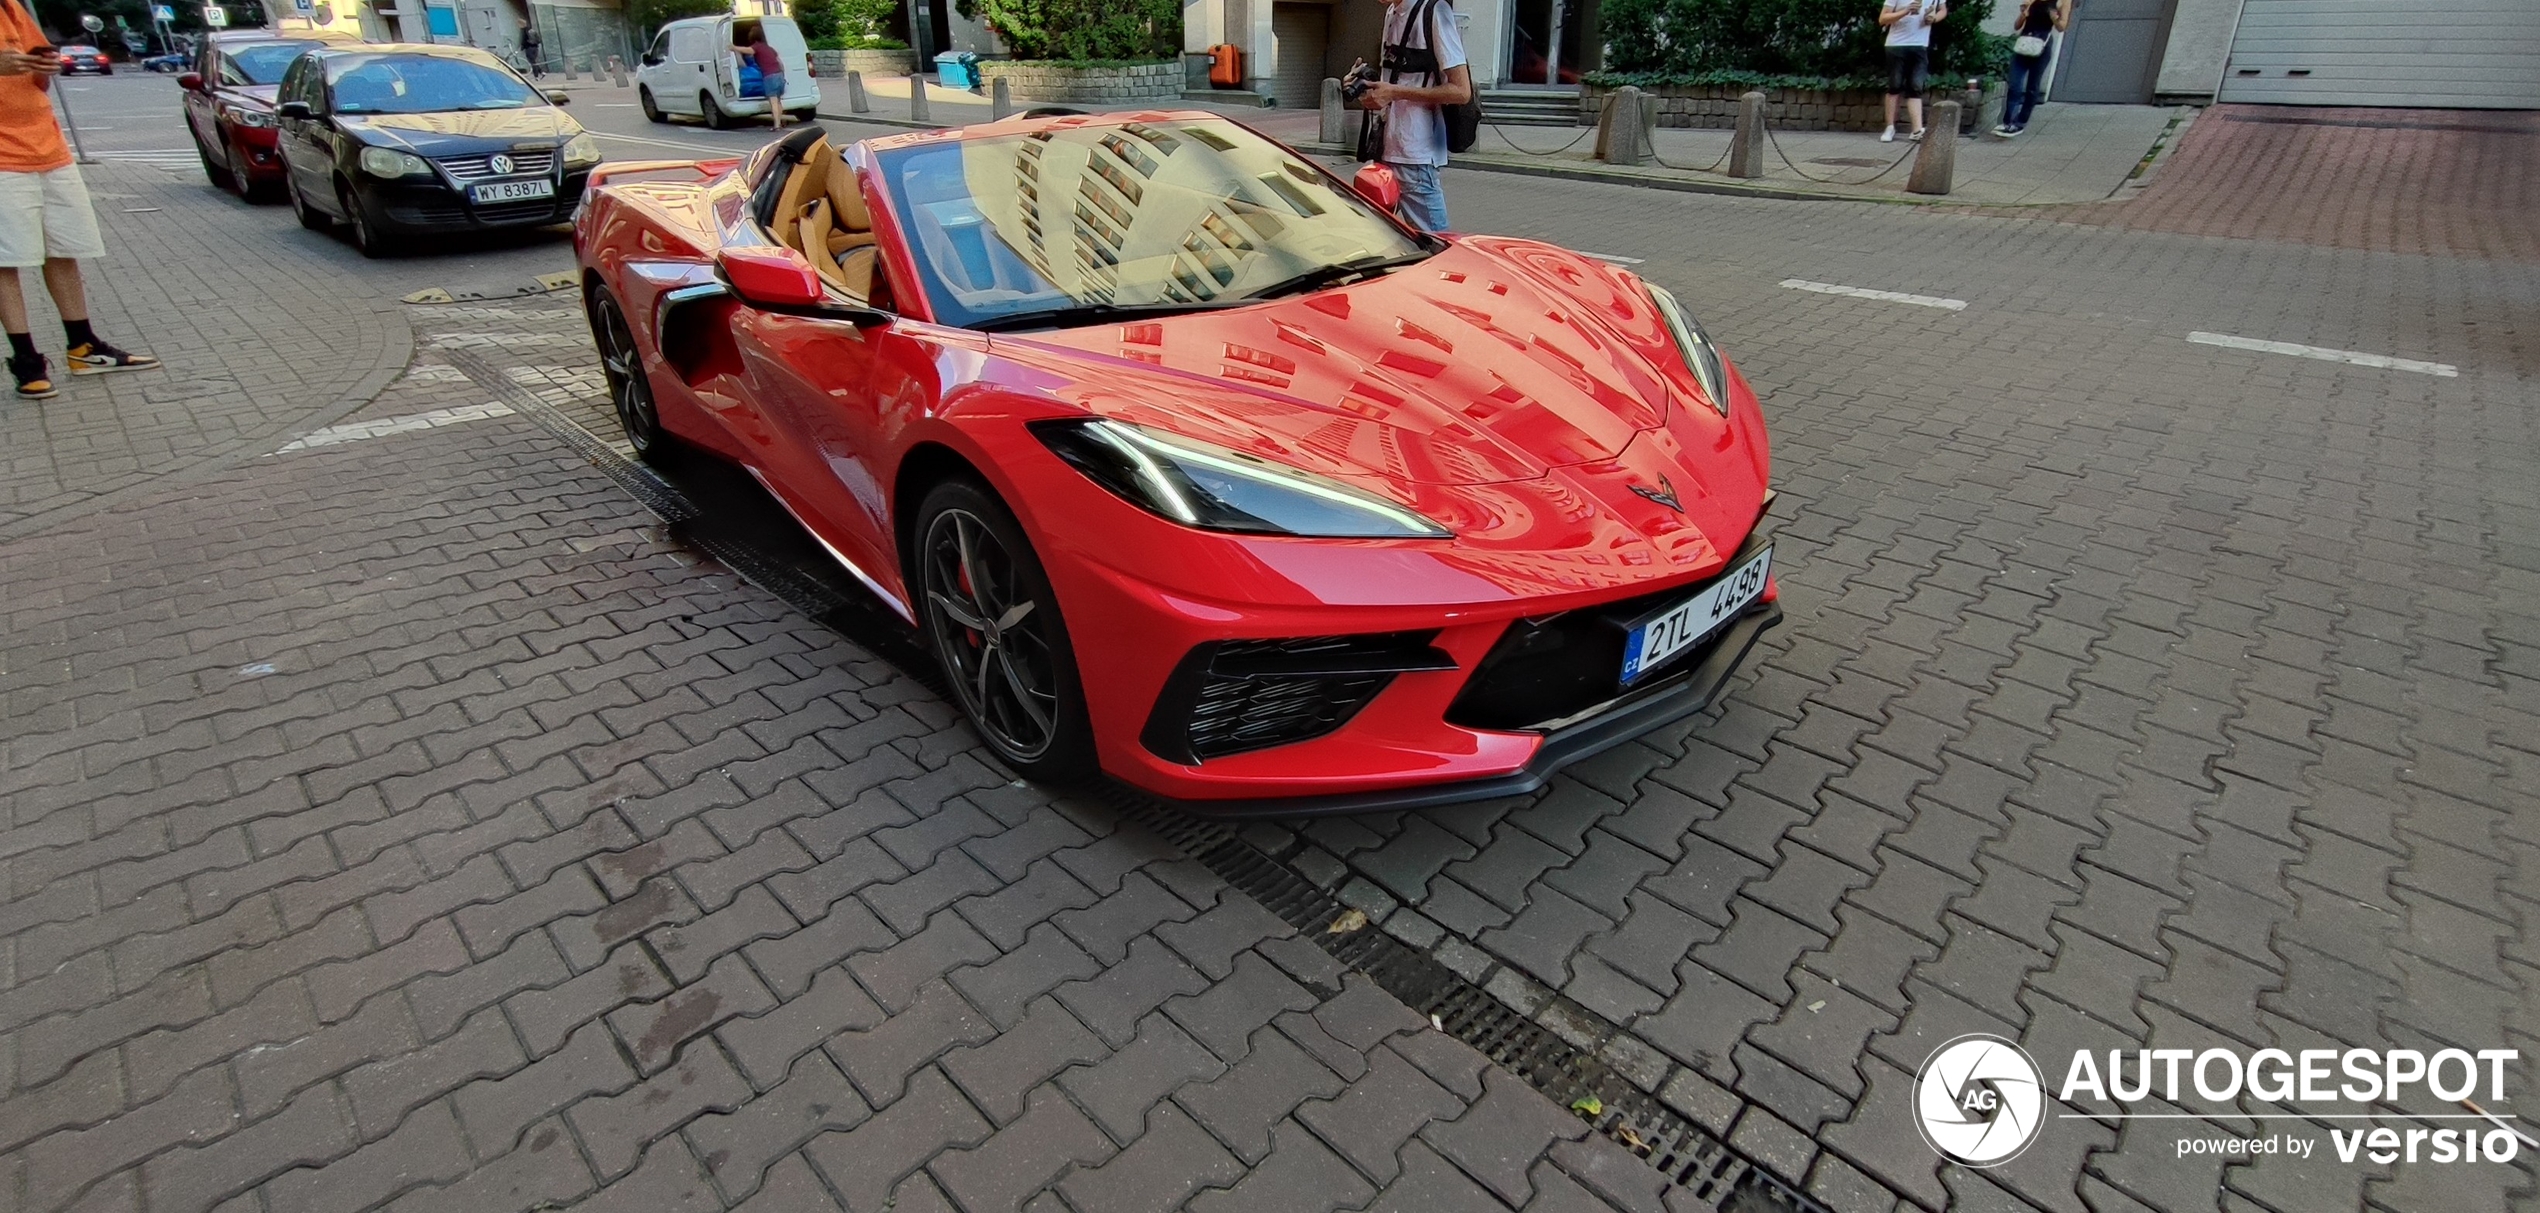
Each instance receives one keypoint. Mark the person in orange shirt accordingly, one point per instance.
(45, 217)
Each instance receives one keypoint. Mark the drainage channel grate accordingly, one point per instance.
(1689, 1156)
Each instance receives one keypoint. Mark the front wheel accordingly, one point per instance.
(357, 225)
(310, 217)
(995, 627)
(219, 175)
(248, 187)
(715, 119)
(622, 365)
(652, 110)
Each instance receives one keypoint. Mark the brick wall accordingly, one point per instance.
(1144, 82)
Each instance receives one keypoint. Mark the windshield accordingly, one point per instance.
(1193, 213)
(260, 62)
(424, 84)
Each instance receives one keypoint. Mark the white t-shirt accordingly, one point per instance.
(1415, 132)
(1912, 29)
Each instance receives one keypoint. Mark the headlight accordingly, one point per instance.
(240, 115)
(1215, 489)
(582, 149)
(389, 162)
(1696, 345)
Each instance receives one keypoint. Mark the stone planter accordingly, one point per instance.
(836, 64)
(1114, 87)
(1714, 106)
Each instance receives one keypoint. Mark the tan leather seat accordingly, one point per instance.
(803, 184)
(820, 213)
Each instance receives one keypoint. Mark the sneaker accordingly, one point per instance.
(97, 358)
(2013, 132)
(35, 380)
(2002, 128)
(1888, 135)
(1916, 137)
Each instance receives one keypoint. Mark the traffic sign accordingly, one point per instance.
(216, 16)
(162, 12)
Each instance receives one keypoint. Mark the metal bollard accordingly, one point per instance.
(1746, 146)
(917, 100)
(1000, 101)
(1335, 117)
(568, 68)
(857, 102)
(617, 71)
(1938, 156)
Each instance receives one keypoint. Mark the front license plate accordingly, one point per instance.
(511, 191)
(1677, 628)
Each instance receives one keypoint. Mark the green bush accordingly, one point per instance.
(835, 43)
(650, 15)
(1134, 30)
(1674, 41)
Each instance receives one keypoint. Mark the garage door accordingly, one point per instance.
(1297, 35)
(2450, 53)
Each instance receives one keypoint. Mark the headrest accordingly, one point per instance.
(846, 195)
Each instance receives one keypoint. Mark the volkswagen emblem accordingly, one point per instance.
(501, 164)
(1979, 1101)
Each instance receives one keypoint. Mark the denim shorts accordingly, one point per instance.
(1908, 69)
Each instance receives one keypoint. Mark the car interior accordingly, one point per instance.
(817, 209)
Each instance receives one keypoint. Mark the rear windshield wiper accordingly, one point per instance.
(1086, 313)
(1333, 275)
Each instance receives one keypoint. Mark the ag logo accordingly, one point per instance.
(1979, 1101)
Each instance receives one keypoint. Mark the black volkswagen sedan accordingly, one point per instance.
(395, 141)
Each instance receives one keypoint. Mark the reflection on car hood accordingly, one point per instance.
(255, 94)
(1493, 361)
(1525, 397)
(461, 130)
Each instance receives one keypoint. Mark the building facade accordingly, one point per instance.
(1291, 46)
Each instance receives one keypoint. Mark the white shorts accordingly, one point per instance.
(46, 215)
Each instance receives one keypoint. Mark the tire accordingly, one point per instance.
(220, 176)
(652, 110)
(988, 612)
(310, 217)
(357, 226)
(248, 188)
(715, 117)
(622, 364)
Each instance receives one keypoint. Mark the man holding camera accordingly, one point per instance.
(1423, 71)
(45, 219)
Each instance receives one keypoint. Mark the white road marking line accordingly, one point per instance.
(1614, 258)
(1863, 292)
(356, 431)
(2359, 358)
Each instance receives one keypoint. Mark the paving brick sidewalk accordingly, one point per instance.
(404, 822)
(260, 336)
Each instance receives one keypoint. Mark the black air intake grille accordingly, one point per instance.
(1228, 697)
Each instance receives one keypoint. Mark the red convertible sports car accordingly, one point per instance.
(1190, 463)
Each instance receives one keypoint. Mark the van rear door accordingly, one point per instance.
(787, 38)
(727, 63)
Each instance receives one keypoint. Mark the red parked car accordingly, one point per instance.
(229, 104)
(1191, 463)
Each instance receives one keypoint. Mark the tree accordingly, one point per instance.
(650, 15)
(1082, 29)
(1828, 38)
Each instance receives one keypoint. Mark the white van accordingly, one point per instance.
(694, 68)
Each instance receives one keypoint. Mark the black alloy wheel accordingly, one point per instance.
(357, 225)
(218, 173)
(995, 627)
(623, 366)
(715, 119)
(652, 111)
(310, 217)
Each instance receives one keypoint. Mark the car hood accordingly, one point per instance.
(259, 95)
(461, 131)
(1526, 397)
(1495, 360)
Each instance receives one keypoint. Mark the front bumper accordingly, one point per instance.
(417, 206)
(256, 153)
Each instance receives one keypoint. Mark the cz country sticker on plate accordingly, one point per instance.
(1680, 627)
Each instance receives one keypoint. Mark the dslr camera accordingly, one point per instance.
(1354, 85)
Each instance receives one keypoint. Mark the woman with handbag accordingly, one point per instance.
(2038, 21)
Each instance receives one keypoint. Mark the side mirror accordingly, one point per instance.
(1376, 183)
(300, 110)
(557, 96)
(191, 82)
(773, 278)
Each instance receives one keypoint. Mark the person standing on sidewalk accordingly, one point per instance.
(771, 74)
(2039, 21)
(531, 46)
(45, 218)
(1908, 24)
(1422, 43)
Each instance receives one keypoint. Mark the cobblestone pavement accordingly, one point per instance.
(405, 819)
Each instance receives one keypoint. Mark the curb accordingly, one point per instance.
(1623, 176)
